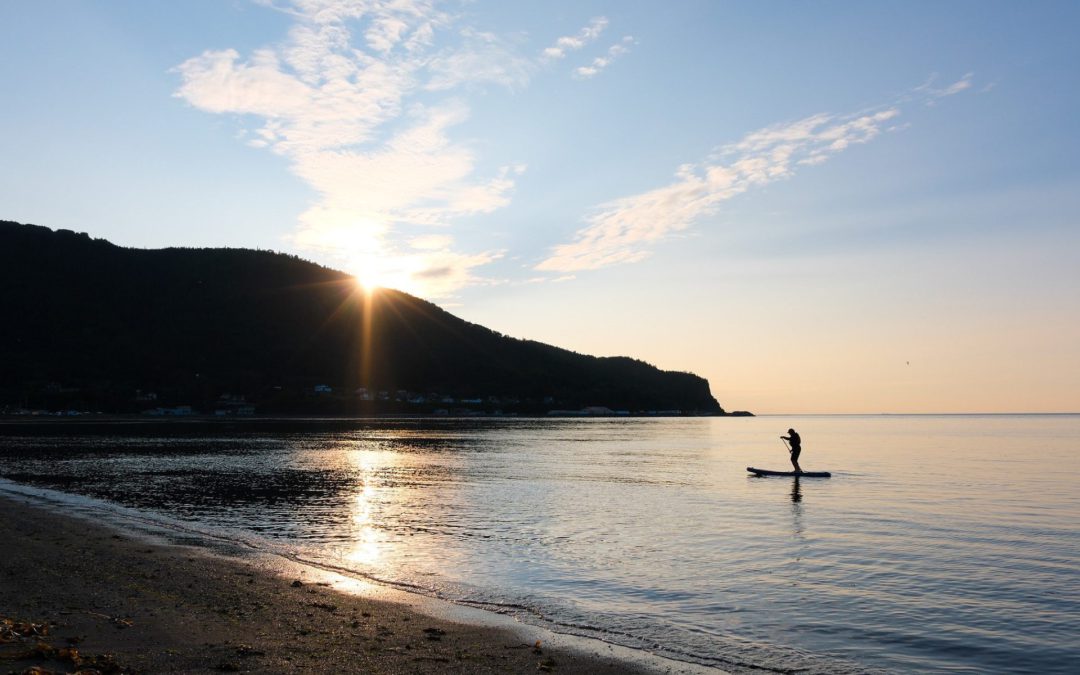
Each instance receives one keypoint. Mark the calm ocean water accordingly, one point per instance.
(942, 543)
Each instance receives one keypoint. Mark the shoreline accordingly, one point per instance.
(139, 604)
(48, 419)
(19, 425)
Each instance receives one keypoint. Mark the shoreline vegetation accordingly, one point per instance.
(82, 595)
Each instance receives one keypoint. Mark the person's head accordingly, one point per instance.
(791, 431)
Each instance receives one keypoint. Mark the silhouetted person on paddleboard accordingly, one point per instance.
(796, 448)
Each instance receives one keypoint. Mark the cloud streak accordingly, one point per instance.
(931, 93)
(623, 231)
(570, 43)
(602, 62)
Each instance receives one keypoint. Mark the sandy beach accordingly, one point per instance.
(77, 596)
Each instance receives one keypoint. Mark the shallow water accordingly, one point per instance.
(946, 543)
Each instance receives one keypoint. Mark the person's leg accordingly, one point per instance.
(795, 460)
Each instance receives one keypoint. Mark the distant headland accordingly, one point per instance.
(91, 327)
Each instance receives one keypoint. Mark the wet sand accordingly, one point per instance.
(79, 594)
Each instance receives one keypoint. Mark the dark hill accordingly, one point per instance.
(88, 324)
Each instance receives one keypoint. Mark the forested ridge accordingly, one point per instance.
(88, 323)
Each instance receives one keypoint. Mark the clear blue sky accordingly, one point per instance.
(821, 207)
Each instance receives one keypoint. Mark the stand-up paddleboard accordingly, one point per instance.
(799, 474)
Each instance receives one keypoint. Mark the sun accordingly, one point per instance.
(374, 272)
(369, 272)
(368, 283)
(372, 275)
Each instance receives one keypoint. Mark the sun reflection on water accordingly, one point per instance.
(366, 546)
(367, 543)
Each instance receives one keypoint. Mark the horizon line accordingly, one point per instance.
(910, 414)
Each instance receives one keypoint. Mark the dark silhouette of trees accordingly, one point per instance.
(90, 323)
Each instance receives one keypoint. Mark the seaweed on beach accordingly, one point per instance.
(24, 641)
(11, 630)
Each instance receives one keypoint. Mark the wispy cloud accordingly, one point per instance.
(587, 35)
(601, 62)
(336, 98)
(930, 91)
(623, 230)
(485, 59)
(569, 43)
